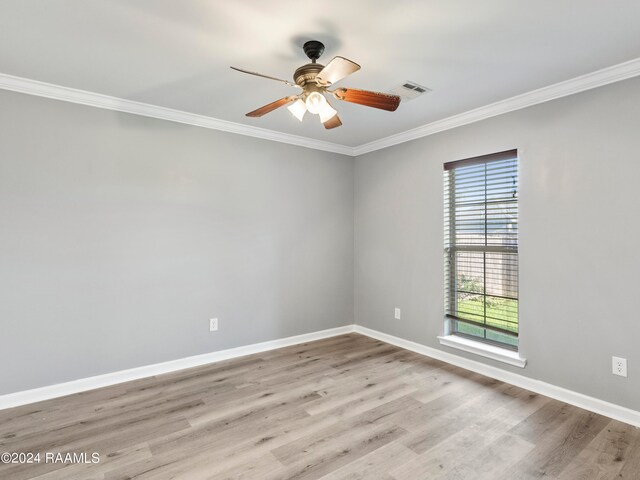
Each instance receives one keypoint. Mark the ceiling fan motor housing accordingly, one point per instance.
(305, 76)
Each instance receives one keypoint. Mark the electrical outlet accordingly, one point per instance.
(213, 324)
(619, 366)
(396, 313)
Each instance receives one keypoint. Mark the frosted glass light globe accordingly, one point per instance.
(327, 112)
(315, 101)
(298, 109)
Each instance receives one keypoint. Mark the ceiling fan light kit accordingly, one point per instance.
(315, 79)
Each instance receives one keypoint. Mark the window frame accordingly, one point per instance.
(452, 320)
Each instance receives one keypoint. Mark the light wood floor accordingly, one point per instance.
(348, 407)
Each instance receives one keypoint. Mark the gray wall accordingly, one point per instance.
(122, 235)
(579, 234)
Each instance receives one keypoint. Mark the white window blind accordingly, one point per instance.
(481, 247)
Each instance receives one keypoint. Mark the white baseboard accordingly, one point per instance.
(99, 381)
(595, 405)
(592, 404)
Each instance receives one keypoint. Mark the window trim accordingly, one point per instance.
(483, 349)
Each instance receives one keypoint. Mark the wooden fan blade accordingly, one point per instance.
(333, 122)
(264, 76)
(271, 107)
(382, 101)
(336, 70)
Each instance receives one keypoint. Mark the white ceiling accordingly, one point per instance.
(177, 54)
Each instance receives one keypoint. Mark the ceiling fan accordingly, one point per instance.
(315, 80)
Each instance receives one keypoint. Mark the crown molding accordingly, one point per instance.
(579, 84)
(82, 97)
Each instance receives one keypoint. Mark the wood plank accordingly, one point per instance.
(604, 456)
(344, 408)
(374, 465)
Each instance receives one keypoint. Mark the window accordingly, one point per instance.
(481, 248)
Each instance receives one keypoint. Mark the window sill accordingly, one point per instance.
(484, 350)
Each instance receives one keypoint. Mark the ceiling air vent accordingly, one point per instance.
(409, 90)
